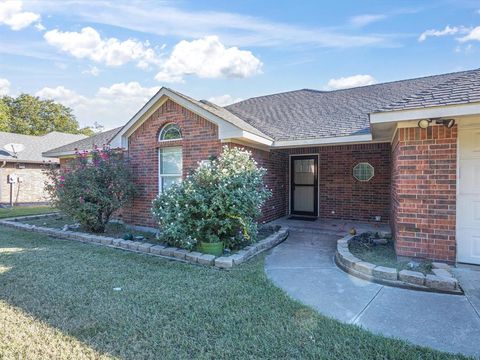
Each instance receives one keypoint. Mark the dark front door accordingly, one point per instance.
(304, 185)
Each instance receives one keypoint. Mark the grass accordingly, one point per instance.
(24, 211)
(57, 301)
(384, 255)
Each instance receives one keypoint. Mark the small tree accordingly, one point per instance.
(93, 186)
(219, 202)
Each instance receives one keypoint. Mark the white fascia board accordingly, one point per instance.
(256, 138)
(425, 113)
(59, 154)
(323, 141)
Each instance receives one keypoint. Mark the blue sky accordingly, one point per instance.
(106, 58)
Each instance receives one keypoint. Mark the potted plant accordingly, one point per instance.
(212, 245)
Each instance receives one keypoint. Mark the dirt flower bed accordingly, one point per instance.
(113, 229)
(379, 249)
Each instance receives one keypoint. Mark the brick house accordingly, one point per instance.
(405, 153)
(26, 165)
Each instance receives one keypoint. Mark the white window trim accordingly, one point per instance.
(363, 163)
(160, 175)
(159, 139)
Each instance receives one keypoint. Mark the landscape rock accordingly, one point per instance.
(364, 267)
(412, 277)
(224, 262)
(385, 273)
(145, 247)
(206, 259)
(442, 273)
(156, 249)
(440, 283)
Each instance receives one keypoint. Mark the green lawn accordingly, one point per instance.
(57, 301)
(24, 211)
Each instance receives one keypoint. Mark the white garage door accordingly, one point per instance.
(468, 199)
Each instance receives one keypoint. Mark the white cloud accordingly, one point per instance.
(224, 100)
(163, 19)
(447, 31)
(351, 81)
(473, 35)
(89, 44)
(127, 91)
(11, 14)
(92, 70)
(62, 95)
(208, 58)
(4, 87)
(366, 19)
(39, 26)
(110, 106)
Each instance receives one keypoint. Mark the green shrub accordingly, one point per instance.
(219, 201)
(92, 187)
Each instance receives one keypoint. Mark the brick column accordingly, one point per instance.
(424, 166)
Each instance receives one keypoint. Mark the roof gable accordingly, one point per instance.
(229, 125)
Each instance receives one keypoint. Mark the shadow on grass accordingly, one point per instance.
(168, 310)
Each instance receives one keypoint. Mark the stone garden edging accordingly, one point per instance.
(171, 253)
(442, 281)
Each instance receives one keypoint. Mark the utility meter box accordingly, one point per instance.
(12, 178)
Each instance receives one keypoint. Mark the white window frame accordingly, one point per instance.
(360, 164)
(160, 175)
(162, 131)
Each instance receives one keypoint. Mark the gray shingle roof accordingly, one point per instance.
(88, 143)
(307, 114)
(34, 145)
(224, 114)
(463, 89)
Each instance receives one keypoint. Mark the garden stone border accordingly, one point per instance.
(164, 251)
(441, 281)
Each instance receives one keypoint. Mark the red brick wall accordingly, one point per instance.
(276, 163)
(424, 192)
(199, 141)
(340, 192)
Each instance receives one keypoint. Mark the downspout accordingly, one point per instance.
(1, 167)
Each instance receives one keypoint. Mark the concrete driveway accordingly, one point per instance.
(303, 266)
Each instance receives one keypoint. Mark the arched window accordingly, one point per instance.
(170, 165)
(170, 132)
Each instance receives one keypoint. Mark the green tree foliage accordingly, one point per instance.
(29, 115)
(219, 202)
(92, 187)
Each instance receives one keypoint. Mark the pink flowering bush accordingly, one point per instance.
(92, 187)
(219, 202)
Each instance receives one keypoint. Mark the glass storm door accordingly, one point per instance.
(304, 185)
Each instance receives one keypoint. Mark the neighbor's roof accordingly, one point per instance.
(89, 143)
(308, 114)
(34, 145)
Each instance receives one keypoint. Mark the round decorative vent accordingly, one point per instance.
(363, 171)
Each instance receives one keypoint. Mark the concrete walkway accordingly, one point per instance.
(303, 266)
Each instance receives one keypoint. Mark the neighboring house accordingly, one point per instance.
(388, 152)
(67, 151)
(25, 166)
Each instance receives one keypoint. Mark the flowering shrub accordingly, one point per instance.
(93, 186)
(219, 201)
